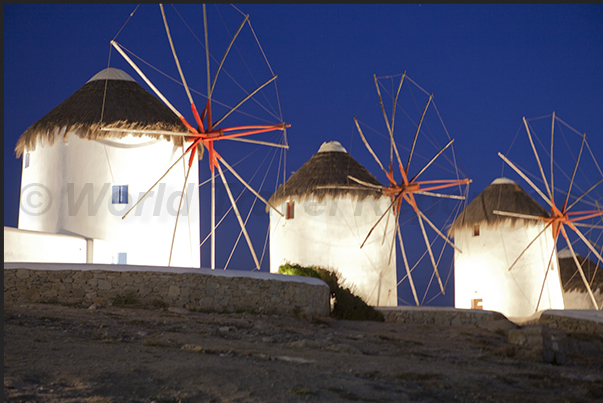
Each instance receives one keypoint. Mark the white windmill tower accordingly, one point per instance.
(83, 178)
(327, 216)
(492, 242)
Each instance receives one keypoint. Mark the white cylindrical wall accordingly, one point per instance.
(329, 233)
(67, 189)
(482, 269)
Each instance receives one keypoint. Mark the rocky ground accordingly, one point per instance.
(55, 353)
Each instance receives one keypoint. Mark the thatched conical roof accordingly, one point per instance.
(570, 277)
(330, 166)
(115, 96)
(503, 194)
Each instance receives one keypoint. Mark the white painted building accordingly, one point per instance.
(78, 180)
(327, 217)
(491, 243)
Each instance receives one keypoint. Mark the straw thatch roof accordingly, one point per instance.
(330, 166)
(570, 277)
(116, 97)
(505, 195)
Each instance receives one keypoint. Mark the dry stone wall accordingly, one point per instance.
(439, 315)
(588, 322)
(191, 290)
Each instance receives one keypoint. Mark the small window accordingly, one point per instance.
(119, 194)
(122, 258)
(290, 210)
(476, 230)
(26, 160)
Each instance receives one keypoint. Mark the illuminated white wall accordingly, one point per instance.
(482, 270)
(66, 189)
(329, 234)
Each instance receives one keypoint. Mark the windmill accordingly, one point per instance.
(208, 129)
(567, 215)
(425, 182)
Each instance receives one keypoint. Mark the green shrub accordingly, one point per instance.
(347, 305)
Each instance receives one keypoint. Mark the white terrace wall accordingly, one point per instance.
(198, 289)
(33, 246)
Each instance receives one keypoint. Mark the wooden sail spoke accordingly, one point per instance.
(586, 241)
(552, 137)
(406, 266)
(414, 142)
(252, 190)
(432, 225)
(213, 84)
(393, 244)
(575, 169)
(428, 245)
(213, 215)
(432, 160)
(436, 184)
(394, 107)
(530, 244)
(188, 93)
(442, 195)
(548, 268)
(151, 132)
(155, 90)
(517, 215)
(208, 75)
(368, 147)
(160, 179)
(239, 218)
(370, 185)
(380, 218)
(389, 128)
(546, 199)
(264, 143)
(584, 215)
(546, 184)
(591, 226)
(584, 194)
(234, 108)
(240, 131)
(342, 187)
(178, 213)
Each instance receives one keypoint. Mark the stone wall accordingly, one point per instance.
(194, 289)
(574, 321)
(439, 315)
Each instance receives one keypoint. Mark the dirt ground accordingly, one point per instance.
(55, 353)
